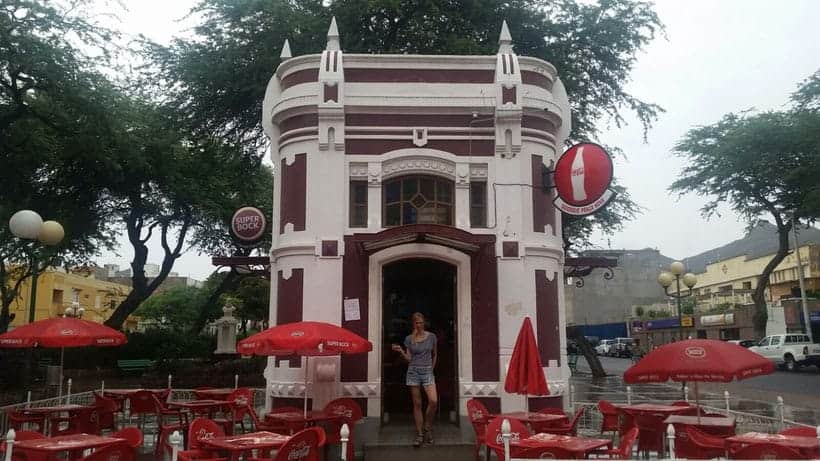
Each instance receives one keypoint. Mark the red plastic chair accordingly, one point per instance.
(479, 418)
(115, 452)
(19, 419)
(567, 429)
(552, 411)
(239, 401)
(201, 396)
(624, 450)
(493, 439)
(800, 431)
(692, 443)
(651, 432)
(767, 451)
(349, 413)
(147, 403)
(106, 409)
(200, 429)
(261, 425)
(303, 446)
(609, 416)
(132, 435)
(80, 421)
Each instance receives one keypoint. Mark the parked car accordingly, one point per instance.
(623, 347)
(744, 342)
(605, 346)
(791, 350)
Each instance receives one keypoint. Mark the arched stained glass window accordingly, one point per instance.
(417, 200)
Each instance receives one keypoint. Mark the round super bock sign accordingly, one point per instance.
(248, 224)
(582, 178)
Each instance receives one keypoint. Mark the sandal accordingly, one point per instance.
(428, 436)
(418, 441)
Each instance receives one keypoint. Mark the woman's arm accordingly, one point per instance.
(404, 354)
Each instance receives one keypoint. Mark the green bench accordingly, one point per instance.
(134, 365)
(572, 362)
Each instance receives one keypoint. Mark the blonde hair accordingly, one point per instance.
(417, 316)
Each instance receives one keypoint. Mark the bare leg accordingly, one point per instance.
(415, 392)
(432, 404)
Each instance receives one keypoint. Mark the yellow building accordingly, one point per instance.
(729, 275)
(58, 290)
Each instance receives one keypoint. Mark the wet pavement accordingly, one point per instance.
(750, 398)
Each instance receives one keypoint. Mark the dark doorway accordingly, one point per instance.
(427, 286)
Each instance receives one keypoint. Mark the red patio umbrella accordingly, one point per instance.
(525, 375)
(62, 332)
(308, 339)
(699, 360)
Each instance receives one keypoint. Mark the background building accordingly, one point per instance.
(58, 289)
(605, 306)
(112, 273)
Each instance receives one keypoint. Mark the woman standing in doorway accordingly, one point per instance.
(420, 351)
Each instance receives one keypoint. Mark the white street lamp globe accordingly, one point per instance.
(665, 279)
(689, 279)
(677, 268)
(51, 233)
(25, 224)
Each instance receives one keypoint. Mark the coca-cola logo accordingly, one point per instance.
(297, 334)
(248, 224)
(695, 352)
(67, 332)
(582, 177)
(300, 451)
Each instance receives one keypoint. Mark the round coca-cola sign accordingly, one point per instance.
(248, 224)
(582, 178)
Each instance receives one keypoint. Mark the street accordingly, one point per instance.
(791, 386)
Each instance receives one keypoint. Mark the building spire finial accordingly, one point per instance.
(505, 39)
(285, 54)
(333, 36)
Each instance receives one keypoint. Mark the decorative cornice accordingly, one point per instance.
(416, 165)
(292, 250)
(479, 389)
(362, 389)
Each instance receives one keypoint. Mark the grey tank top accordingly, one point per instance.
(421, 353)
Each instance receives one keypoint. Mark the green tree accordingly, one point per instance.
(54, 130)
(759, 164)
(218, 76)
(175, 308)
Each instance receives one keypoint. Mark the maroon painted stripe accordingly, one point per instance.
(457, 147)
(543, 212)
(300, 76)
(289, 298)
(373, 75)
(484, 286)
(355, 286)
(298, 121)
(546, 306)
(415, 120)
(294, 185)
(534, 78)
(537, 123)
(360, 132)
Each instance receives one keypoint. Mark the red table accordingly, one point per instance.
(50, 412)
(74, 443)
(238, 444)
(580, 446)
(213, 394)
(535, 421)
(714, 425)
(297, 420)
(199, 407)
(806, 445)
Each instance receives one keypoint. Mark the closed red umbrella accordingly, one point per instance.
(525, 375)
(304, 338)
(699, 360)
(62, 332)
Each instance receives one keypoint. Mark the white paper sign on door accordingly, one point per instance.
(351, 308)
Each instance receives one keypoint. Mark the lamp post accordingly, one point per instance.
(75, 310)
(675, 274)
(28, 225)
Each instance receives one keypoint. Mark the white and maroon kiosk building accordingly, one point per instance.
(415, 183)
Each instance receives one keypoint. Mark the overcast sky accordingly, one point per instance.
(716, 57)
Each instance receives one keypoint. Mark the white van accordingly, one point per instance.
(604, 347)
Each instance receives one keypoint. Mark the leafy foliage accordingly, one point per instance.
(219, 77)
(759, 164)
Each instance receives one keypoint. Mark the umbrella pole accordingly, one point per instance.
(307, 361)
(697, 400)
(60, 391)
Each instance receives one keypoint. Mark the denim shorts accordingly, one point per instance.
(420, 376)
